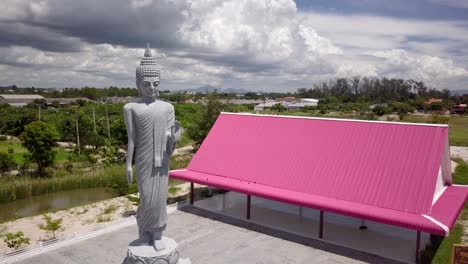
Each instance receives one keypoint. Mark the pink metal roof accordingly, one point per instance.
(379, 171)
(447, 208)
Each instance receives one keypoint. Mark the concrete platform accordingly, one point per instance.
(379, 239)
(206, 237)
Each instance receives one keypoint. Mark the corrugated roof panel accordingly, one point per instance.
(358, 210)
(386, 165)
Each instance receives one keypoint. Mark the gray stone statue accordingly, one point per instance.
(152, 136)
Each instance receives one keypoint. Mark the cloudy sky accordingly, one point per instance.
(259, 45)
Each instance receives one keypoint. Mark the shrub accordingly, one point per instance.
(51, 225)
(16, 240)
(110, 209)
(103, 218)
(381, 110)
(6, 162)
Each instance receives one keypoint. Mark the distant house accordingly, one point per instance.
(289, 99)
(459, 109)
(269, 104)
(19, 99)
(66, 101)
(240, 101)
(433, 100)
(289, 103)
(117, 99)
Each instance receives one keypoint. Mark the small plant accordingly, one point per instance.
(69, 167)
(103, 218)
(16, 240)
(51, 225)
(135, 200)
(110, 209)
(173, 189)
(7, 162)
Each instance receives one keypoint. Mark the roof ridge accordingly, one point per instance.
(340, 119)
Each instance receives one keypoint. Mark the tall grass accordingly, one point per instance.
(15, 188)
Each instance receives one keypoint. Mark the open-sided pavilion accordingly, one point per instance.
(392, 173)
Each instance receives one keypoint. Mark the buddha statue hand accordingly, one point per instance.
(176, 131)
(129, 174)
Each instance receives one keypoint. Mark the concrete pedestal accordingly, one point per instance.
(146, 254)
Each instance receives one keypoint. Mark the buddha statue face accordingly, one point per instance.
(149, 87)
(148, 76)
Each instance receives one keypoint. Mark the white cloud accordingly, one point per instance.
(400, 64)
(266, 30)
(254, 44)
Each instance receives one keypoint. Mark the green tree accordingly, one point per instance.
(51, 225)
(6, 162)
(381, 110)
(16, 240)
(199, 129)
(278, 108)
(40, 138)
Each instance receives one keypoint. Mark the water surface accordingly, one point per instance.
(51, 202)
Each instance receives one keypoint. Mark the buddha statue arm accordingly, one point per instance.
(131, 142)
(173, 133)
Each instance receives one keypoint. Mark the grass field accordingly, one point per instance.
(459, 131)
(19, 151)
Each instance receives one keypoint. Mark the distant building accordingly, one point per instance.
(117, 99)
(289, 103)
(269, 104)
(66, 101)
(289, 99)
(459, 109)
(19, 99)
(433, 100)
(240, 101)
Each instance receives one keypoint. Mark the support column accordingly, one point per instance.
(300, 213)
(192, 193)
(418, 244)
(224, 201)
(248, 207)
(321, 225)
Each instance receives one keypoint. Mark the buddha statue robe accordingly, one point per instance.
(152, 128)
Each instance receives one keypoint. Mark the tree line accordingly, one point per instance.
(372, 89)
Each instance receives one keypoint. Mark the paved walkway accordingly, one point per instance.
(205, 237)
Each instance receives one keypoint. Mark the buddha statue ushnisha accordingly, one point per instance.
(152, 136)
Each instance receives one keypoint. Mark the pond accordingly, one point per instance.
(51, 202)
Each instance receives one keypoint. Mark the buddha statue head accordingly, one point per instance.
(148, 75)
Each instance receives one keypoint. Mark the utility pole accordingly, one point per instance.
(39, 112)
(107, 114)
(108, 126)
(94, 121)
(77, 133)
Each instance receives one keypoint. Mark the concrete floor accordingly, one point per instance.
(379, 239)
(206, 237)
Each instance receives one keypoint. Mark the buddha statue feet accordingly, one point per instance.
(159, 245)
